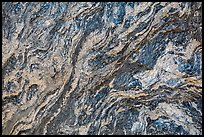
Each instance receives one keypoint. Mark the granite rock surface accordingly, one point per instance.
(102, 68)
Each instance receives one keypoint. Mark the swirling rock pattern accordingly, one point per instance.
(102, 68)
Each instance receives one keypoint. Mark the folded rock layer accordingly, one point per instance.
(102, 68)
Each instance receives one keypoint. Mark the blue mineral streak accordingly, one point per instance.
(119, 14)
(135, 83)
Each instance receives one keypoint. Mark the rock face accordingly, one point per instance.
(102, 68)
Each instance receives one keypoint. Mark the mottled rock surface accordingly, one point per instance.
(102, 68)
